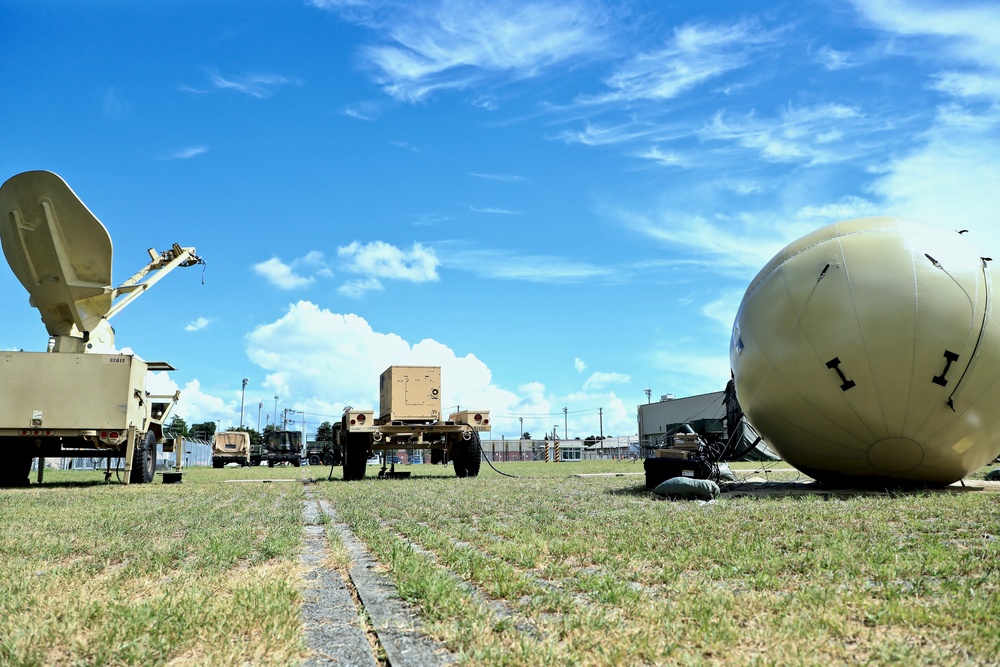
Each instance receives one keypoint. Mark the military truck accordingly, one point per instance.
(283, 447)
(410, 418)
(231, 447)
(82, 397)
(324, 452)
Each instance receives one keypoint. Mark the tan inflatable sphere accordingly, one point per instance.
(866, 351)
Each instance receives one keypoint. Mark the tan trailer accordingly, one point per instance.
(82, 397)
(409, 409)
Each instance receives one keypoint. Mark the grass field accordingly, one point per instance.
(543, 569)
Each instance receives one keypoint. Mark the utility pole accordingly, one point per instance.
(260, 406)
(276, 411)
(243, 397)
(648, 392)
(600, 416)
(565, 424)
(521, 434)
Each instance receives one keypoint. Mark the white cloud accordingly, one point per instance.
(189, 152)
(314, 352)
(510, 265)
(696, 54)
(113, 105)
(579, 364)
(280, 274)
(255, 85)
(377, 261)
(950, 180)
(451, 45)
(493, 211)
(505, 178)
(814, 135)
(600, 380)
(197, 325)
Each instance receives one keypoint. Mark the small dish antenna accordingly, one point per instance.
(62, 253)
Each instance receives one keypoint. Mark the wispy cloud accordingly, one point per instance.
(378, 261)
(579, 364)
(504, 178)
(696, 54)
(814, 135)
(510, 265)
(197, 325)
(188, 153)
(255, 85)
(450, 45)
(113, 105)
(494, 211)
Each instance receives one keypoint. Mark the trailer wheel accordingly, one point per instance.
(314, 460)
(15, 471)
(144, 460)
(355, 456)
(437, 456)
(466, 456)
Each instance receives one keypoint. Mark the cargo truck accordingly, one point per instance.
(410, 418)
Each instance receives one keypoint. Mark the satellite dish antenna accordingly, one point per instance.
(59, 251)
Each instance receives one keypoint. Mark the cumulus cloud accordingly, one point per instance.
(197, 325)
(321, 361)
(579, 364)
(601, 380)
(289, 276)
(378, 261)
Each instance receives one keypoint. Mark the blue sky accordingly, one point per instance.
(560, 203)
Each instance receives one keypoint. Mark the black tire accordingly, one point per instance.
(216, 464)
(144, 460)
(437, 456)
(14, 471)
(297, 462)
(270, 463)
(356, 448)
(314, 460)
(466, 456)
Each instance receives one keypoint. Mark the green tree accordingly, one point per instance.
(525, 436)
(203, 430)
(178, 426)
(325, 432)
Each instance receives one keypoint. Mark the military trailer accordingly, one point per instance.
(231, 447)
(283, 447)
(81, 398)
(410, 418)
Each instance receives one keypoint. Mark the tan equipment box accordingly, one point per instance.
(410, 393)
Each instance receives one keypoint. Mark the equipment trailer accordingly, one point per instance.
(410, 400)
(82, 398)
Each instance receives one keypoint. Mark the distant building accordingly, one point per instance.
(705, 413)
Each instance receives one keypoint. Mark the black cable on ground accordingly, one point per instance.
(483, 454)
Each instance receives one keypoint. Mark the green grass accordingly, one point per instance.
(596, 571)
(543, 569)
(197, 573)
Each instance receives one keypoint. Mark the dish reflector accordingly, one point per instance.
(59, 251)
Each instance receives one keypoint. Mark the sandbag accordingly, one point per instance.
(685, 487)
